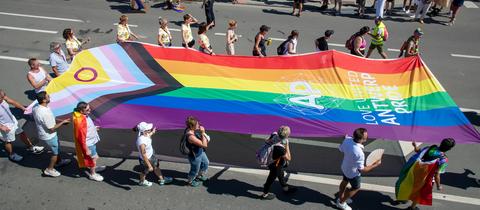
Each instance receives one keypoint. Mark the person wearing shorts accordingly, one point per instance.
(353, 165)
(456, 4)
(9, 128)
(298, 4)
(47, 132)
(147, 159)
(378, 35)
(187, 37)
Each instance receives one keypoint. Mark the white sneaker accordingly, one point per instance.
(52, 173)
(145, 183)
(96, 177)
(36, 149)
(15, 157)
(343, 206)
(407, 12)
(63, 162)
(349, 201)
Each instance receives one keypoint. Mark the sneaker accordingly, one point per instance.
(202, 178)
(52, 173)
(63, 162)
(15, 157)
(165, 180)
(96, 177)
(99, 169)
(343, 206)
(145, 183)
(195, 183)
(268, 196)
(36, 149)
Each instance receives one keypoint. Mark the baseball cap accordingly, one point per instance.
(143, 126)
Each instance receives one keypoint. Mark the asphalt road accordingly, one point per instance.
(23, 186)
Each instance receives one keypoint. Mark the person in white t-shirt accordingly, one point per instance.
(292, 44)
(47, 132)
(147, 159)
(9, 128)
(353, 165)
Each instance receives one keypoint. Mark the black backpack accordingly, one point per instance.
(282, 49)
(184, 146)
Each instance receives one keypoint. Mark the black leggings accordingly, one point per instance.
(209, 11)
(275, 172)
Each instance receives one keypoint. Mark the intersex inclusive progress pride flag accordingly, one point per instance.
(318, 95)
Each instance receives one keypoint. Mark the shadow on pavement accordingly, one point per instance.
(231, 186)
(118, 177)
(473, 117)
(373, 200)
(460, 180)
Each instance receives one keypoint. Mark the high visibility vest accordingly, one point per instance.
(376, 29)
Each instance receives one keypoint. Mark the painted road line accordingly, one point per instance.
(41, 17)
(365, 186)
(276, 39)
(134, 26)
(21, 59)
(175, 29)
(470, 110)
(470, 5)
(393, 50)
(336, 45)
(28, 29)
(224, 34)
(465, 56)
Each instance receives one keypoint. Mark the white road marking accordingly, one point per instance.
(41, 17)
(393, 50)
(336, 45)
(470, 5)
(175, 29)
(277, 39)
(224, 34)
(365, 186)
(465, 56)
(21, 59)
(133, 26)
(28, 29)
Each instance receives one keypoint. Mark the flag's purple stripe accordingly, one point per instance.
(127, 116)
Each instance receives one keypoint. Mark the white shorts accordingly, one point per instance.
(10, 136)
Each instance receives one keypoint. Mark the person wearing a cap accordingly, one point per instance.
(411, 46)
(260, 49)
(321, 44)
(378, 38)
(147, 159)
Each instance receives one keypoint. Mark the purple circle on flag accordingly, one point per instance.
(95, 74)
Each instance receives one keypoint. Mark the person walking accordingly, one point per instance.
(422, 9)
(379, 35)
(411, 46)
(208, 5)
(415, 182)
(231, 37)
(187, 37)
(281, 157)
(292, 43)
(361, 8)
(298, 4)
(339, 4)
(454, 7)
(321, 44)
(380, 8)
(359, 43)
(164, 37)
(203, 41)
(259, 49)
(147, 159)
(353, 166)
(73, 45)
(123, 31)
(197, 141)
(86, 137)
(9, 128)
(37, 76)
(47, 132)
(57, 59)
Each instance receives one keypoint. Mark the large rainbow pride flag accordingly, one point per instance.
(318, 95)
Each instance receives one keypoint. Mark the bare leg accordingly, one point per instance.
(348, 194)
(26, 140)
(9, 148)
(53, 160)
(158, 173)
(369, 52)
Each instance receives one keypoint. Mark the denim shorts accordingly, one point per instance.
(53, 144)
(93, 150)
(354, 182)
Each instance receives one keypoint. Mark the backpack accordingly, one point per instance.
(282, 49)
(385, 34)
(350, 41)
(264, 153)
(184, 147)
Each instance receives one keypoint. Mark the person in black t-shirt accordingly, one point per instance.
(321, 43)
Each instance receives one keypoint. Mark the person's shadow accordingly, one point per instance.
(473, 117)
(460, 180)
(119, 178)
(366, 199)
(231, 186)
